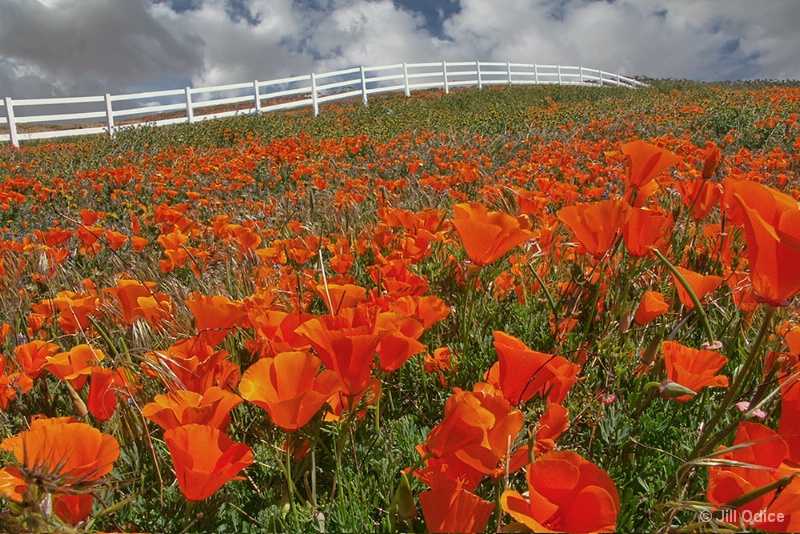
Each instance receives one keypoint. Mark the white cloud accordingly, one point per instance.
(71, 47)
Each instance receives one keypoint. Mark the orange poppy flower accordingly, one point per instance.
(491, 455)
(338, 296)
(76, 452)
(115, 239)
(646, 161)
(73, 508)
(488, 235)
(448, 507)
(651, 306)
(788, 426)
(596, 225)
(711, 159)
(400, 340)
(32, 356)
(692, 368)
(74, 366)
(275, 331)
(127, 294)
(465, 421)
(205, 459)
(346, 343)
(103, 390)
(12, 384)
(772, 230)
(194, 365)
(183, 407)
(701, 284)
(289, 387)
(700, 196)
(138, 243)
(644, 229)
(215, 316)
(523, 373)
(12, 484)
(565, 494)
(553, 423)
(760, 455)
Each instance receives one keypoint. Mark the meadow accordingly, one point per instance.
(513, 309)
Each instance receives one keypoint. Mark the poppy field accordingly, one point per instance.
(547, 309)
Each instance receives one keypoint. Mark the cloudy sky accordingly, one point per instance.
(83, 47)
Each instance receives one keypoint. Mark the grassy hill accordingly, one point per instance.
(343, 286)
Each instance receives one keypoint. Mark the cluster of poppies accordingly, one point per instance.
(219, 300)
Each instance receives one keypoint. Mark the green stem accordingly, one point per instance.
(696, 301)
(701, 446)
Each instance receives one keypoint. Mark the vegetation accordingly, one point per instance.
(519, 308)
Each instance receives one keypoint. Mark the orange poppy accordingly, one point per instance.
(492, 455)
(523, 373)
(596, 225)
(289, 387)
(756, 462)
(553, 423)
(711, 159)
(128, 293)
(772, 230)
(193, 364)
(338, 296)
(651, 306)
(645, 162)
(74, 366)
(565, 494)
(701, 284)
(183, 407)
(76, 452)
(12, 484)
(488, 235)
(465, 421)
(448, 507)
(400, 340)
(346, 343)
(102, 401)
(788, 426)
(12, 384)
(700, 196)
(205, 459)
(645, 228)
(32, 356)
(215, 316)
(692, 368)
(73, 508)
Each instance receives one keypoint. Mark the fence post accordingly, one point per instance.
(478, 70)
(12, 124)
(257, 96)
(314, 102)
(405, 79)
(535, 73)
(189, 110)
(364, 87)
(508, 66)
(558, 69)
(444, 73)
(601, 78)
(618, 82)
(581, 72)
(109, 115)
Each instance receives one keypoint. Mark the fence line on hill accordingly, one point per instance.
(139, 109)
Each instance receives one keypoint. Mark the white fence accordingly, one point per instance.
(111, 113)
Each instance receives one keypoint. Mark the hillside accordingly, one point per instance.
(533, 306)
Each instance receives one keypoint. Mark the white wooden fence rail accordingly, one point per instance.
(308, 90)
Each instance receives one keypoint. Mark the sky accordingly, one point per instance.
(90, 47)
